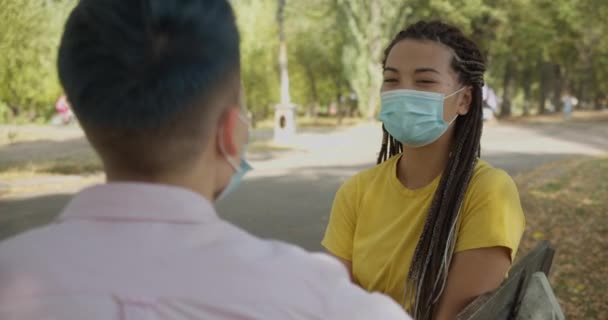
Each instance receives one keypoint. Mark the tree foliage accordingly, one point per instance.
(259, 53)
(535, 50)
(29, 36)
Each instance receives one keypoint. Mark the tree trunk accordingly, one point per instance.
(598, 101)
(13, 105)
(352, 106)
(578, 93)
(374, 69)
(557, 87)
(340, 113)
(338, 101)
(15, 110)
(542, 101)
(505, 110)
(527, 86)
(312, 80)
(593, 87)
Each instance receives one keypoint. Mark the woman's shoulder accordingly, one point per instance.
(491, 214)
(487, 175)
(489, 182)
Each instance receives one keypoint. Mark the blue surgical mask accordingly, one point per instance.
(414, 118)
(238, 175)
(240, 169)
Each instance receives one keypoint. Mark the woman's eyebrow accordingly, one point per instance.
(423, 70)
(393, 69)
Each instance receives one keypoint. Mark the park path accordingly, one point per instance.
(288, 196)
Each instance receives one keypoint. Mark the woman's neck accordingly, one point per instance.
(420, 166)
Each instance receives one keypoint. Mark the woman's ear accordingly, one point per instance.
(464, 103)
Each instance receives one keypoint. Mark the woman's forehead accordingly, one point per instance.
(409, 55)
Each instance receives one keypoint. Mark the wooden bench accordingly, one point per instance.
(504, 302)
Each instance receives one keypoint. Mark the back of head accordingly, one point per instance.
(148, 79)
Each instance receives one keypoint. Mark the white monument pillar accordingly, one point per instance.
(284, 116)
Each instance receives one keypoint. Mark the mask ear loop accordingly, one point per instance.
(450, 95)
(231, 161)
(234, 164)
(453, 93)
(455, 117)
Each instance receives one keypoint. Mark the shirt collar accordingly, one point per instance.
(140, 202)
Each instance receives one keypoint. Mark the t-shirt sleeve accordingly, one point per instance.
(492, 215)
(340, 230)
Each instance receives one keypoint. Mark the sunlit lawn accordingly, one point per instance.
(566, 203)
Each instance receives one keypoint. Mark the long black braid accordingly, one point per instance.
(427, 275)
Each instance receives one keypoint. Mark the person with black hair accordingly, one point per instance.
(156, 86)
(431, 225)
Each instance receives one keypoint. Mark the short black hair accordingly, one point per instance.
(142, 72)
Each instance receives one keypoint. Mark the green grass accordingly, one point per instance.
(567, 204)
(307, 122)
(266, 146)
(11, 134)
(85, 162)
(76, 164)
(552, 187)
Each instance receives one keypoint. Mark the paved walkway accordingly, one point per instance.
(289, 196)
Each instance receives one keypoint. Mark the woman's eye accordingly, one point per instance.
(390, 80)
(425, 81)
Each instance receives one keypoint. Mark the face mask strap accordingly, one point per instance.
(231, 161)
(453, 93)
(244, 119)
(455, 117)
(234, 164)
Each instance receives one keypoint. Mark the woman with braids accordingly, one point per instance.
(431, 225)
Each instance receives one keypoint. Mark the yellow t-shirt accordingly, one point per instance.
(376, 222)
